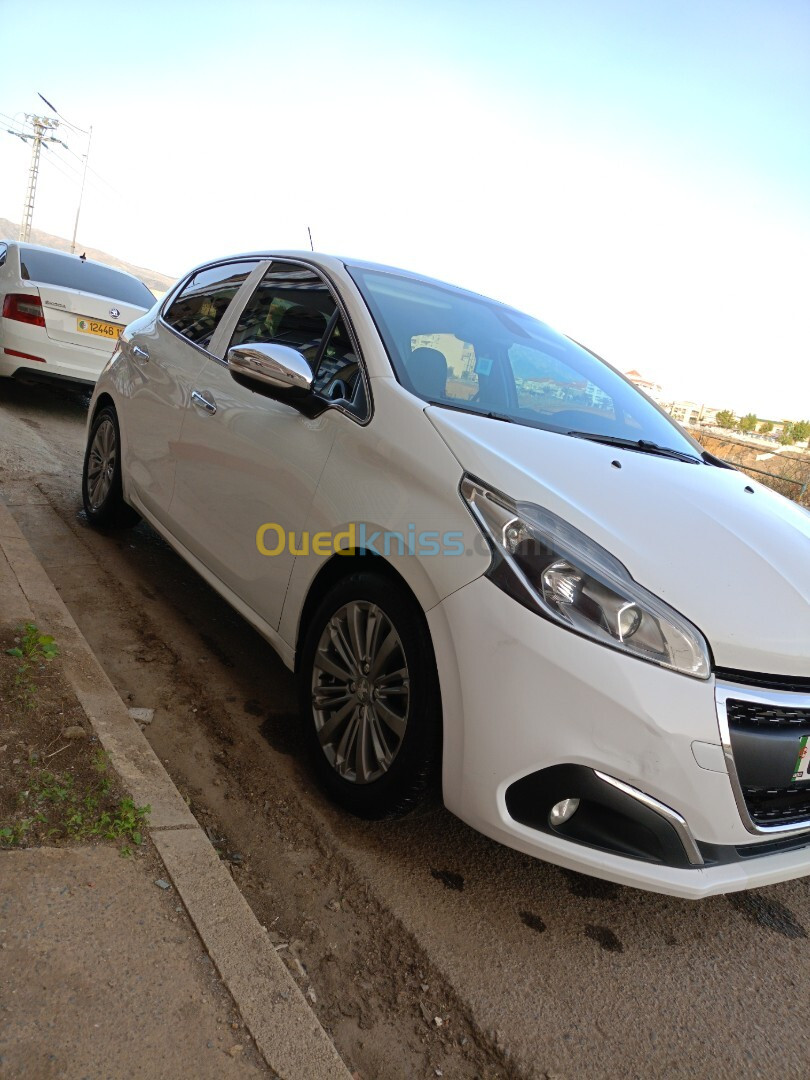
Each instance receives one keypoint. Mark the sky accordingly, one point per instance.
(634, 172)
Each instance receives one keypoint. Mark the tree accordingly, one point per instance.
(766, 427)
(725, 418)
(748, 422)
(801, 430)
(787, 437)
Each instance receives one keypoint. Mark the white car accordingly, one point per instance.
(485, 554)
(62, 314)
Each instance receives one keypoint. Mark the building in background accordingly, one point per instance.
(691, 413)
(652, 389)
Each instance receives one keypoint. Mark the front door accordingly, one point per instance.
(246, 461)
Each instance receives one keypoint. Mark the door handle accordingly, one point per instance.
(202, 402)
(139, 353)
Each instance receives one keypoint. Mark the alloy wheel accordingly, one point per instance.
(360, 692)
(101, 463)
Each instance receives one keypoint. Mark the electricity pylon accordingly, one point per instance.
(42, 125)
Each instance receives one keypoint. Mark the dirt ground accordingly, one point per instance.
(425, 948)
(56, 785)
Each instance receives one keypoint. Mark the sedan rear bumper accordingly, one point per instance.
(26, 348)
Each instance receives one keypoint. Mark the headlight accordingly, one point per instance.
(557, 571)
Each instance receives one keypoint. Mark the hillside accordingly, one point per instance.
(156, 281)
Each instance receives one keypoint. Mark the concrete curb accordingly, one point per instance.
(285, 1029)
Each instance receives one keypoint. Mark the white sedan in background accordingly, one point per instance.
(486, 555)
(62, 314)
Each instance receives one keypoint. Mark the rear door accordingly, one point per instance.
(163, 358)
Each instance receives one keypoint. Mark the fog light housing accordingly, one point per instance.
(563, 811)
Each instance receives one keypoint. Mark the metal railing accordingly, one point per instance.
(800, 496)
(774, 476)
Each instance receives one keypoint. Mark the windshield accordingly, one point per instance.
(71, 272)
(460, 350)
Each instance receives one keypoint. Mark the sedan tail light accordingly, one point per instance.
(23, 307)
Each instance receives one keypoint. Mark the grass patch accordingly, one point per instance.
(31, 650)
(76, 798)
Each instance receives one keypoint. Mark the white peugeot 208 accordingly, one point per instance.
(486, 555)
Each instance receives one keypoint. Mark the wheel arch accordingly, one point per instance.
(100, 402)
(423, 766)
(335, 569)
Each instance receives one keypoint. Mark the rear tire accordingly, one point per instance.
(369, 697)
(102, 492)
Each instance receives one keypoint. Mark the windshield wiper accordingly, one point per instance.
(642, 445)
(472, 412)
(713, 459)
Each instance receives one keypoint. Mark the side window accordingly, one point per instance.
(292, 305)
(196, 311)
(3, 250)
(338, 375)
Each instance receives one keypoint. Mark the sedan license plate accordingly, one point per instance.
(101, 329)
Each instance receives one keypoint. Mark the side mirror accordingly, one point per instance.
(277, 372)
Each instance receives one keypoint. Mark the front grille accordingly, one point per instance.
(757, 714)
(778, 806)
(766, 731)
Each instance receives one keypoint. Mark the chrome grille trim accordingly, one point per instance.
(780, 699)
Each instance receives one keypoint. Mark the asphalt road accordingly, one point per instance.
(530, 971)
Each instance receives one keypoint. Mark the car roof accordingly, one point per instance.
(24, 245)
(340, 262)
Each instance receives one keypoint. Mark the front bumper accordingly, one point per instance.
(522, 696)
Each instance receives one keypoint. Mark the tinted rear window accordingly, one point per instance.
(71, 272)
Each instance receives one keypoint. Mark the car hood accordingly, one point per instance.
(726, 552)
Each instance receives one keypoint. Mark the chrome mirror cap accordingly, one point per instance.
(278, 366)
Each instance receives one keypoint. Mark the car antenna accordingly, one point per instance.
(311, 248)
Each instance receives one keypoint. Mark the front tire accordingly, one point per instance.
(102, 492)
(369, 697)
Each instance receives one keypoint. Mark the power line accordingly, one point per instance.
(65, 162)
(73, 152)
(100, 192)
(52, 163)
(13, 120)
(98, 175)
(54, 110)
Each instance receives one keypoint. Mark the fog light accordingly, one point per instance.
(562, 811)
